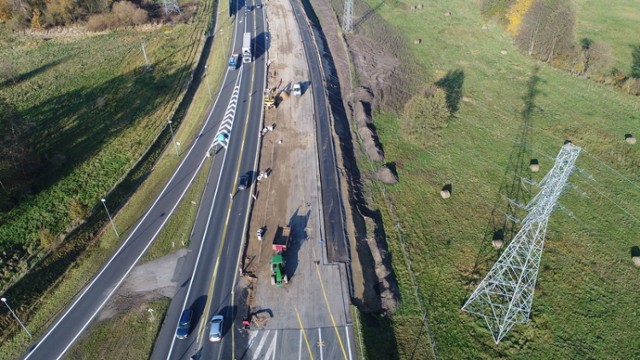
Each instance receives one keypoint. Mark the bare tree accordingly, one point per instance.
(547, 29)
(601, 59)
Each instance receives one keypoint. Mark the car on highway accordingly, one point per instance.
(243, 183)
(258, 6)
(184, 325)
(215, 332)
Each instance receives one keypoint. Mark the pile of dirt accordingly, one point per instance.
(386, 175)
(373, 282)
(386, 286)
(360, 104)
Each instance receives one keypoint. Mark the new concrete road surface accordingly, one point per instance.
(218, 232)
(308, 318)
(337, 245)
(84, 308)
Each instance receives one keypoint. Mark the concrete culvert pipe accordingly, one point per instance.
(630, 139)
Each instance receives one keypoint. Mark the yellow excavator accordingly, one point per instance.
(270, 98)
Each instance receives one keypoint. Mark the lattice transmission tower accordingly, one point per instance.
(504, 296)
(170, 6)
(347, 21)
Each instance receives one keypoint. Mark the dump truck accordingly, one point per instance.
(278, 275)
(281, 240)
(247, 57)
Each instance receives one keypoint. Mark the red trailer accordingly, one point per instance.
(281, 240)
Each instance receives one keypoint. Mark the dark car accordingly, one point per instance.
(243, 183)
(184, 325)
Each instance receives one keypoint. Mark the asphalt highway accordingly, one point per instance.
(237, 158)
(219, 229)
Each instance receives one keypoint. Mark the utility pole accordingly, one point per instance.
(505, 295)
(146, 59)
(170, 6)
(347, 21)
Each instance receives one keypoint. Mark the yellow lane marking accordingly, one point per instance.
(333, 321)
(304, 334)
(213, 280)
(224, 231)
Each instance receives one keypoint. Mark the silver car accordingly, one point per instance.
(215, 332)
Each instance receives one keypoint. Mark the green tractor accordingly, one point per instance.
(278, 275)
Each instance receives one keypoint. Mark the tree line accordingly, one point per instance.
(97, 14)
(545, 29)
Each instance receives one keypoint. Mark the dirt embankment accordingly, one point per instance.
(383, 85)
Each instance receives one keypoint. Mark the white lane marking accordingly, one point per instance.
(252, 337)
(206, 230)
(124, 244)
(300, 347)
(271, 351)
(256, 353)
(346, 330)
(320, 343)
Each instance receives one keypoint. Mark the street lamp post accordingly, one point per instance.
(175, 144)
(4, 300)
(104, 202)
(206, 72)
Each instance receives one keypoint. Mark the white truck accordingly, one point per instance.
(246, 48)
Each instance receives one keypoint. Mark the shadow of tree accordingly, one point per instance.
(452, 85)
(73, 127)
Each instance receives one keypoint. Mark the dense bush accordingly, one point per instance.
(124, 13)
(425, 115)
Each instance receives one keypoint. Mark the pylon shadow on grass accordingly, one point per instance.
(500, 224)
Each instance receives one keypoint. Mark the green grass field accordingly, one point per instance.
(94, 112)
(119, 79)
(106, 341)
(587, 290)
(615, 22)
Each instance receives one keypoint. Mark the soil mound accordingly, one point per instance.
(386, 175)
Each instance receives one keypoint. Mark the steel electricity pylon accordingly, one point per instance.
(347, 18)
(170, 6)
(504, 296)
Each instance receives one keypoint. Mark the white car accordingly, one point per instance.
(297, 89)
(215, 332)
